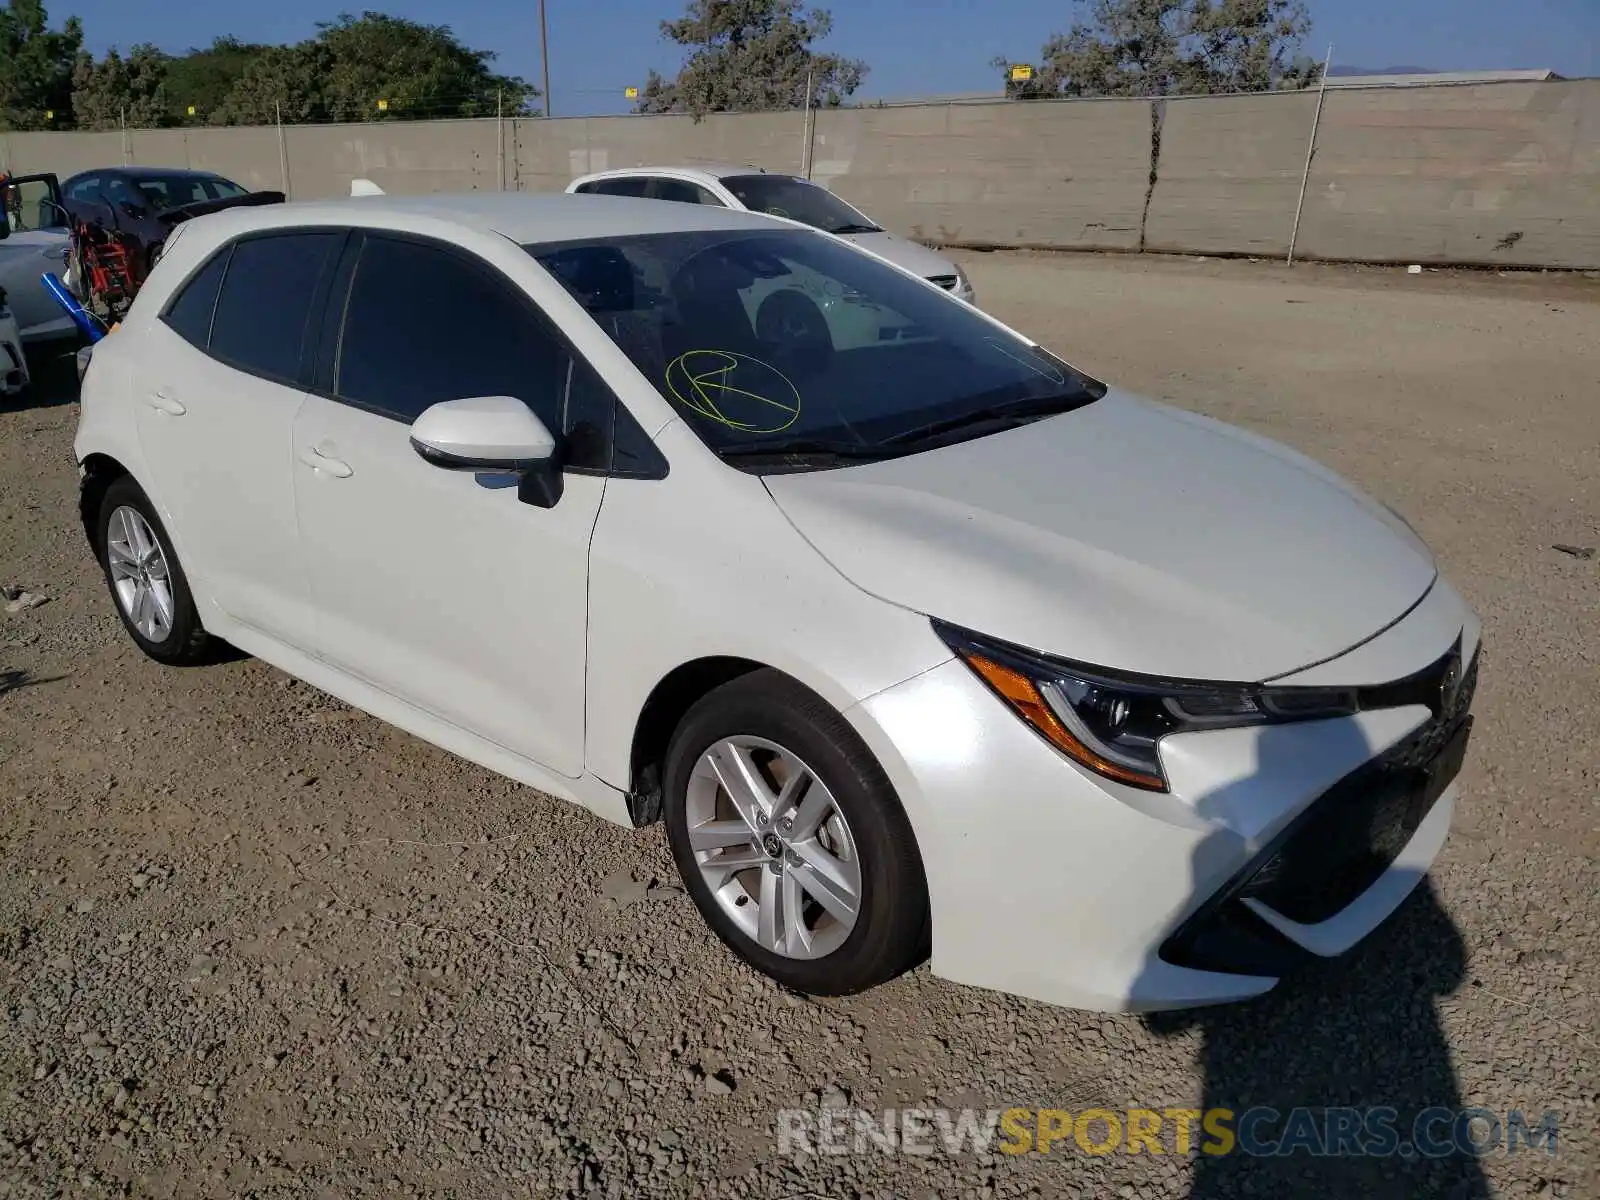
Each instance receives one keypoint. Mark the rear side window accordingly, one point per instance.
(189, 314)
(264, 310)
(634, 186)
(681, 191)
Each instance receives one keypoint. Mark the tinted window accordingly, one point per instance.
(189, 314)
(172, 191)
(762, 339)
(680, 191)
(267, 294)
(425, 325)
(622, 187)
(786, 196)
(87, 188)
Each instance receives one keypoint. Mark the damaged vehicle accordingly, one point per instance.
(933, 645)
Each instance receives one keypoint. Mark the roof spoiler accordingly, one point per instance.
(365, 187)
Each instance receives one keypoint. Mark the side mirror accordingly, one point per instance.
(497, 434)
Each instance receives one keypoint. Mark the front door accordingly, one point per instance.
(34, 240)
(441, 587)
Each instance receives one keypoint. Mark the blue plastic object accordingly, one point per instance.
(80, 317)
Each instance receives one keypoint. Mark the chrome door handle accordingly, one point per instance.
(163, 402)
(317, 461)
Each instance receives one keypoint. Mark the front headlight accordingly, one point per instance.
(1113, 723)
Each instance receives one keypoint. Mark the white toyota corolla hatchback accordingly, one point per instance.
(933, 645)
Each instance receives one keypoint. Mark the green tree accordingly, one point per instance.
(353, 62)
(117, 90)
(203, 78)
(36, 66)
(750, 55)
(1174, 48)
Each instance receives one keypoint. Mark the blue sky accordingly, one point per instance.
(914, 47)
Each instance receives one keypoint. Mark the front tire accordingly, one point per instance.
(790, 839)
(146, 581)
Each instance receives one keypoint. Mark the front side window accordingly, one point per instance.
(786, 196)
(789, 350)
(424, 325)
(265, 307)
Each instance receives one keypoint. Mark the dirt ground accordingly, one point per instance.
(253, 942)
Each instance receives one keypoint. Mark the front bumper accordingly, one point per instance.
(1050, 882)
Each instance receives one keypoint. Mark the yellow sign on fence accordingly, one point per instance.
(383, 106)
(1021, 73)
(191, 110)
(631, 93)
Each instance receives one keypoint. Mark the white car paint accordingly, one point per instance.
(911, 256)
(1123, 534)
(13, 362)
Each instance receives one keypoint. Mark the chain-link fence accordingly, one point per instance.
(1503, 173)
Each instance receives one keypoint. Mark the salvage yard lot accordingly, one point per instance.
(252, 941)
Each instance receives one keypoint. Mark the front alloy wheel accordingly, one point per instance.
(773, 847)
(790, 838)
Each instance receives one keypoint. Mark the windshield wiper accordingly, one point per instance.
(857, 229)
(805, 448)
(1015, 412)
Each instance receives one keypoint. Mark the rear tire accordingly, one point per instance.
(147, 584)
(838, 833)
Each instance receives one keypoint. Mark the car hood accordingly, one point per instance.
(903, 252)
(1126, 534)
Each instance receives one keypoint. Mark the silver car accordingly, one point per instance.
(33, 239)
(751, 189)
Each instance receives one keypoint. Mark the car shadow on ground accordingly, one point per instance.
(1340, 1079)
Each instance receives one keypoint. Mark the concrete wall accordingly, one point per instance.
(1229, 173)
(1483, 174)
(1496, 173)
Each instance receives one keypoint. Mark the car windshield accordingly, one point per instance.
(162, 192)
(786, 196)
(785, 350)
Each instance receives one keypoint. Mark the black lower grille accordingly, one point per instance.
(1348, 837)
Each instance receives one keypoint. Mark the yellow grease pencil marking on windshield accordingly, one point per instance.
(704, 373)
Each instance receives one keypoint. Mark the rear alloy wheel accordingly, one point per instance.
(147, 584)
(790, 839)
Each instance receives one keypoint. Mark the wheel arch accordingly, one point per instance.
(100, 471)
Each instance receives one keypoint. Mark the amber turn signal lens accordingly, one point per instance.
(1017, 690)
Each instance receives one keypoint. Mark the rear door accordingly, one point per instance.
(36, 241)
(217, 385)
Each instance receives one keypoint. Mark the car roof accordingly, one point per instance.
(153, 173)
(523, 217)
(702, 171)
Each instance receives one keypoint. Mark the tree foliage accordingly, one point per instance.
(338, 75)
(748, 56)
(1174, 48)
(119, 91)
(36, 65)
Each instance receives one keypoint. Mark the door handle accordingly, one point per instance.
(318, 461)
(162, 401)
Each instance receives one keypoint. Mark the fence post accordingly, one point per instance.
(500, 133)
(283, 149)
(127, 145)
(1311, 150)
(810, 129)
